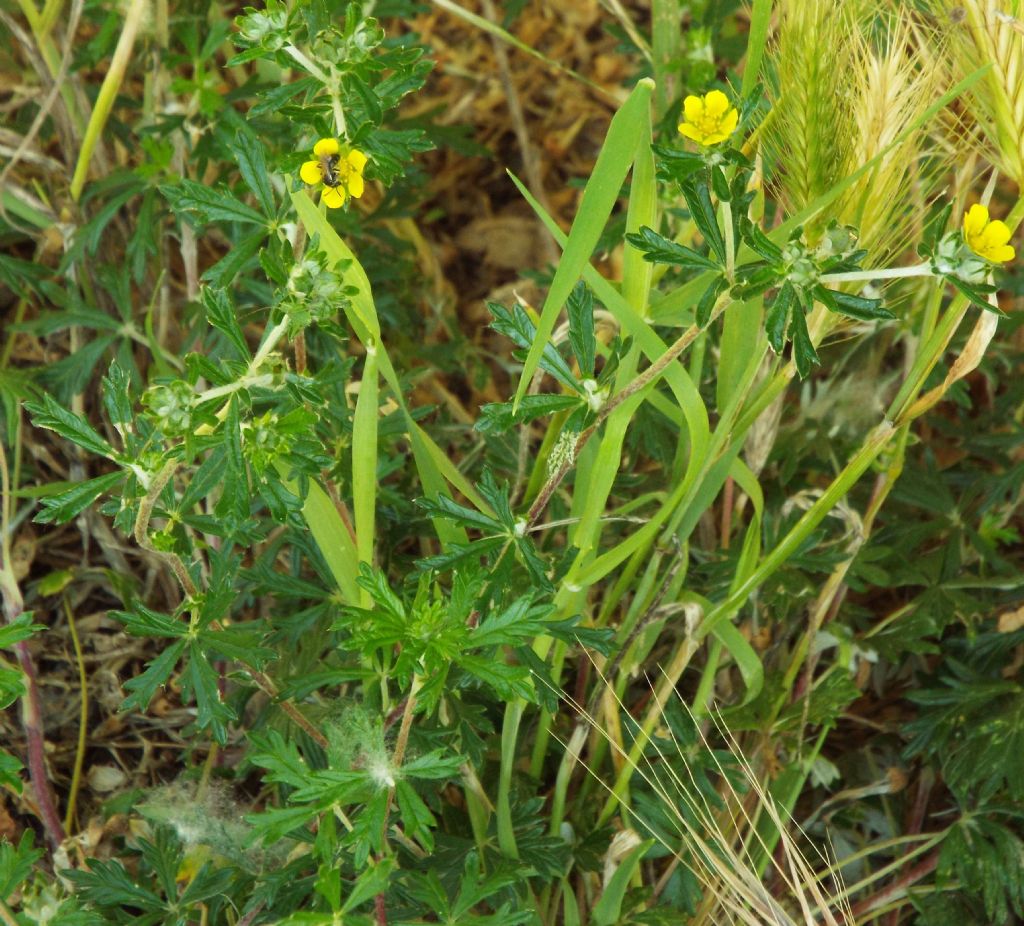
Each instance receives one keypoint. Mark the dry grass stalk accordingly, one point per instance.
(718, 846)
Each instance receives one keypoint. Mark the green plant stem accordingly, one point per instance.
(888, 273)
(108, 93)
(503, 806)
(307, 63)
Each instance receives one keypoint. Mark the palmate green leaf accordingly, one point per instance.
(11, 687)
(660, 250)
(580, 310)
(49, 414)
(70, 375)
(520, 622)
(16, 862)
(252, 164)
(238, 258)
(240, 642)
(117, 397)
(209, 204)
(415, 815)
(376, 583)
(144, 686)
(804, 354)
(207, 883)
(280, 757)
(702, 211)
(108, 884)
(516, 325)
(221, 314)
(977, 293)
(273, 825)
(142, 622)
(374, 879)
(496, 496)
(777, 319)
(10, 770)
(62, 507)
(445, 507)
(499, 417)
(856, 307)
(599, 197)
(234, 502)
(457, 553)
(200, 680)
(707, 302)
(507, 681)
(534, 563)
(986, 858)
(18, 629)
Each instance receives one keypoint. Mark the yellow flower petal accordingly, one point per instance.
(334, 197)
(355, 184)
(1002, 254)
(996, 234)
(310, 173)
(975, 220)
(326, 147)
(730, 121)
(691, 132)
(715, 104)
(693, 109)
(358, 160)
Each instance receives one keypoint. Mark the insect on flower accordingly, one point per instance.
(988, 239)
(341, 174)
(709, 119)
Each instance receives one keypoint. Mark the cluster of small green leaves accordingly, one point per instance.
(792, 272)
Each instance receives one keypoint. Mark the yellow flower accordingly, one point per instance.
(710, 119)
(342, 176)
(987, 239)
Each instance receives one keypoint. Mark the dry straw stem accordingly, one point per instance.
(714, 844)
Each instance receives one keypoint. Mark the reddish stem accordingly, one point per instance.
(32, 718)
(921, 870)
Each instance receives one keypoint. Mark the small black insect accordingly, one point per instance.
(328, 170)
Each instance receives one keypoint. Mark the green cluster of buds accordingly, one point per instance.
(313, 294)
(171, 406)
